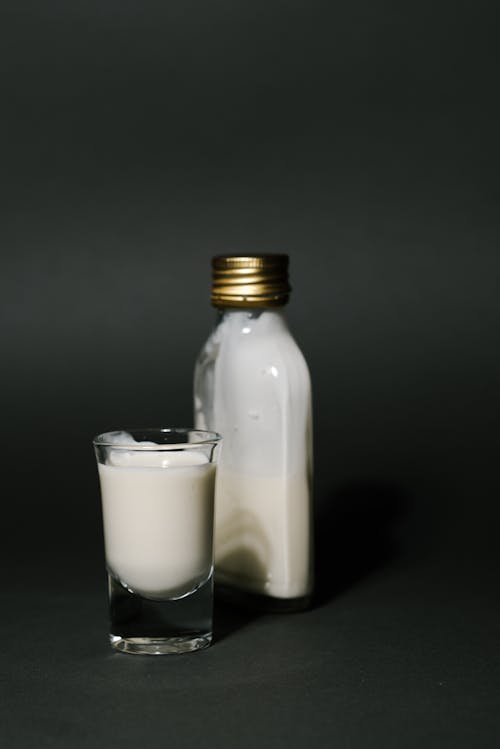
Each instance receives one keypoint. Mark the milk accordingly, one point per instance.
(252, 385)
(157, 511)
(261, 536)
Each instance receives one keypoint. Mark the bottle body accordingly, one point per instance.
(252, 385)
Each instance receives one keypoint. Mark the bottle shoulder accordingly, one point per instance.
(253, 342)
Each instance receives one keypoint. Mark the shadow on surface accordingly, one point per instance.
(355, 535)
(228, 618)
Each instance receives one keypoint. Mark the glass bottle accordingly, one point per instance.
(252, 385)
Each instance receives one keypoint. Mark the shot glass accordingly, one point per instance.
(157, 493)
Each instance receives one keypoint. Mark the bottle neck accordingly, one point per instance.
(250, 313)
(248, 319)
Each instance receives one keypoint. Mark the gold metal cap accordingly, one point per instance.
(250, 280)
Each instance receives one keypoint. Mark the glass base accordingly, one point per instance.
(160, 627)
(159, 645)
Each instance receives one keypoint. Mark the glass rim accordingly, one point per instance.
(208, 438)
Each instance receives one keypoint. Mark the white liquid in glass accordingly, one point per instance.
(158, 520)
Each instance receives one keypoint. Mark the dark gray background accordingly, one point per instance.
(139, 139)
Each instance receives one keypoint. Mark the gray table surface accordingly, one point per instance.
(401, 653)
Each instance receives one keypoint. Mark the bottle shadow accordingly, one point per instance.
(232, 609)
(230, 618)
(356, 535)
